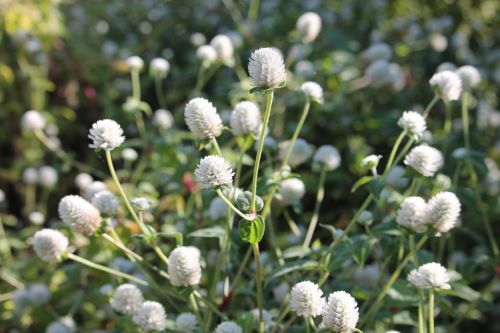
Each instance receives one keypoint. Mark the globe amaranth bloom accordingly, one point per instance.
(425, 160)
(309, 26)
(184, 266)
(50, 244)
(106, 134)
(127, 298)
(470, 76)
(228, 327)
(202, 119)
(106, 202)
(327, 156)
(301, 152)
(413, 123)
(267, 68)
(150, 316)
(186, 322)
(313, 91)
(32, 120)
(307, 299)
(443, 211)
(429, 276)
(213, 171)
(159, 67)
(412, 214)
(447, 85)
(341, 313)
(79, 214)
(291, 191)
(246, 119)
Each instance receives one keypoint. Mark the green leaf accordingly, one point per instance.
(462, 291)
(212, 232)
(252, 231)
(330, 228)
(360, 248)
(259, 90)
(296, 251)
(376, 186)
(296, 265)
(362, 181)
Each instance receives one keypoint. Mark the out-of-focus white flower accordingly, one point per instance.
(141, 204)
(159, 67)
(447, 85)
(79, 214)
(425, 160)
(135, 63)
(307, 299)
(377, 51)
(291, 191)
(470, 76)
(127, 299)
(39, 293)
(313, 91)
(163, 119)
(106, 134)
(245, 119)
(30, 176)
(446, 66)
(207, 54)
(186, 322)
(368, 275)
(197, 39)
(49, 244)
(327, 156)
(93, 188)
(129, 154)
(217, 209)
(412, 214)
(267, 319)
(202, 119)
(47, 176)
(304, 69)
(443, 211)
(224, 47)
(123, 265)
(413, 123)
(106, 202)
(395, 177)
(301, 152)
(184, 266)
(228, 327)
(32, 120)
(36, 218)
(150, 316)
(82, 180)
(428, 276)
(371, 161)
(213, 171)
(62, 325)
(266, 68)
(340, 313)
(280, 292)
(309, 26)
(439, 42)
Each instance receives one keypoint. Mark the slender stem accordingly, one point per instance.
(421, 324)
(306, 323)
(296, 133)
(403, 151)
(136, 86)
(241, 269)
(5, 240)
(153, 244)
(319, 199)
(159, 93)
(448, 118)
(199, 80)
(430, 105)
(393, 152)
(105, 269)
(253, 10)
(465, 119)
(431, 310)
(258, 281)
(122, 247)
(196, 310)
(233, 207)
(262, 137)
(216, 146)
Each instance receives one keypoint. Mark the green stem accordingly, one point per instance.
(262, 137)
(296, 133)
(448, 118)
(319, 199)
(393, 152)
(122, 247)
(430, 105)
(306, 323)
(213, 140)
(111, 271)
(253, 10)
(230, 204)
(431, 310)
(159, 93)
(421, 324)
(258, 282)
(5, 240)
(196, 310)
(136, 86)
(465, 119)
(241, 269)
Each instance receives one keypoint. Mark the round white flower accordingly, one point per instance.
(79, 214)
(444, 211)
(141, 203)
(327, 156)
(39, 293)
(184, 266)
(228, 327)
(32, 120)
(150, 316)
(291, 191)
(446, 66)
(395, 177)
(129, 154)
(428, 276)
(370, 161)
(309, 26)
(197, 39)
(413, 123)
(223, 46)
(82, 180)
(412, 214)
(425, 160)
(159, 67)
(447, 85)
(202, 119)
(49, 244)
(135, 63)
(301, 152)
(313, 91)
(213, 171)
(30, 176)
(106, 134)
(266, 68)
(163, 119)
(304, 69)
(186, 322)
(36, 218)
(280, 292)
(377, 51)
(245, 119)
(217, 209)
(368, 275)
(341, 313)
(126, 299)
(93, 188)
(207, 55)
(307, 299)
(47, 176)
(106, 202)
(470, 76)
(62, 325)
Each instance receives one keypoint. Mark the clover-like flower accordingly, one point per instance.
(313, 91)
(327, 156)
(413, 123)
(307, 299)
(127, 299)
(228, 327)
(202, 119)
(79, 214)
(150, 316)
(425, 160)
(186, 322)
(447, 85)
(213, 171)
(429, 276)
(443, 211)
(184, 266)
(106, 134)
(50, 244)
(159, 67)
(309, 26)
(32, 120)
(341, 313)
(470, 76)
(106, 202)
(412, 214)
(245, 119)
(266, 68)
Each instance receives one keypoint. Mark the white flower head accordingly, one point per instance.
(301, 152)
(82, 180)
(447, 85)
(206, 54)
(327, 156)
(446, 66)
(307, 299)
(129, 154)
(49, 244)
(224, 47)
(36, 218)
(127, 298)
(217, 209)
(106, 134)
(159, 67)
(140, 203)
(425, 160)
(341, 313)
(213, 171)
(79, 214)
(186, 322)
(150, 316)
(396, 177)
(184, 266)
(62, 325)
(32, 120)
(39, 293)
(291, 191)
(163, 119)
(313, 91)
(106, 202)
(266, 68)
(47, 176)
(443, 211)
(377, 51)
(245, 119)
(429, 276)
(30, 176)
(280, 292)
(412, 214)
(202, 118)
(228, 327)
(93, 188)
(413, 123)
(470, 76)
(368, 275)
(135, 63)
(309, 26)
(371, 161)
